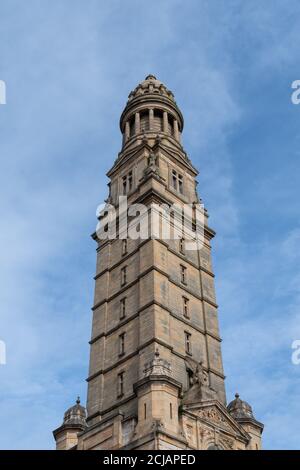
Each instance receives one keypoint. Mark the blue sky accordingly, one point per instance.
(68, 68)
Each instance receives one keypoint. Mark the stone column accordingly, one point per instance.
(137, 123)
(127, 131)
(151, 117)
(165, 122)
(175, 128)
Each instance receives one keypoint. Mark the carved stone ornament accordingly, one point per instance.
(227, 442)
(157, 366)
(152, 167)
(200, 389)
(212, 414)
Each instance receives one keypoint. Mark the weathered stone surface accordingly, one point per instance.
(164, 388)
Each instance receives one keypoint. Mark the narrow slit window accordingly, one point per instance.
(188, 344)
(130, 181)
(183, 274)
(123, 275)
(124, 182)
(122, 308)
(122, 344)
(186, 312)
(180, 184)
(121, 384)
(174, 180)
(124, 246)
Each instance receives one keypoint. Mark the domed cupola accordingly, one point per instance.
(75, 415)
(240, 409)
(151, 109)
(74, 422)
(242, 413)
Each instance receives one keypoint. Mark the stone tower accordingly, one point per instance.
(156, 377)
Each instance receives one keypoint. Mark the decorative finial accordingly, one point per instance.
(150, 76)
(237, 395)
(78, 401)
(157, 366)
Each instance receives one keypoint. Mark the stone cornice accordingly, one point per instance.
(133, 252)
(151, 436)
(160, 271)
(111, 408)
(157, 378)
(66, 427)
(128, 319)
(136, 352)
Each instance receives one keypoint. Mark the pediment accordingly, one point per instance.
(214, 413)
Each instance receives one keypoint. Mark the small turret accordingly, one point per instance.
(74, 422)
(242, 412)
(158, 398)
